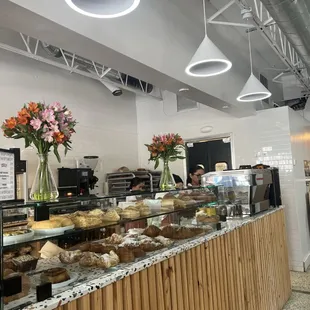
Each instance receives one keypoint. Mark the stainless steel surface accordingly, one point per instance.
(244, 192)
(120, 182)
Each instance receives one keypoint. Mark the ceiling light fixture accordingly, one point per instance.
(183, 89)
(208, 59)
(103, 8)
(253, 90)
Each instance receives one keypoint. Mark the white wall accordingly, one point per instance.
(264, 138)
(107, 125)
(300, 129)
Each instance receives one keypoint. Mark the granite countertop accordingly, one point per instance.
(92, 279)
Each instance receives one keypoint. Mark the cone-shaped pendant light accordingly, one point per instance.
(103, 8)
(253, 89)
(208, 59)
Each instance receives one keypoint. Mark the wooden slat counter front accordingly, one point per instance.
(243, 268)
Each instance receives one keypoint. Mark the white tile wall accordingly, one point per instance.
(265, 138)
(107, 125)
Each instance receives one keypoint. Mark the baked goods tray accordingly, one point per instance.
(122, 221)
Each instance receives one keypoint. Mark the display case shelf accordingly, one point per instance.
(175, 209)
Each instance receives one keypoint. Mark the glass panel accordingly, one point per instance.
(167, 220)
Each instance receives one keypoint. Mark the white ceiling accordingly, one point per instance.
(153, 43)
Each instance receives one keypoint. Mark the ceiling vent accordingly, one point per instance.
(185, 104)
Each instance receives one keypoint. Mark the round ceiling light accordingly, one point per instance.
(208, 60)
(103, 8)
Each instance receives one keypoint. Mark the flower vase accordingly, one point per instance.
(44, 186)
(166, 180)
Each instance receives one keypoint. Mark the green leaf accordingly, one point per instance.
(56, 153)
(27, 141)
(156, 163)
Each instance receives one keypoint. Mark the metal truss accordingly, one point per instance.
(76, 64)
(270, 31)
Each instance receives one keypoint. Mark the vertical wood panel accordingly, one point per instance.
(136, 294)
(96, 300)
(152, 287)
(179, 285)
(184, 269)
(206, 293)
(159, 286)
(246, 268)
(166, 284)
(127, 297)
(83, 303)
(201, 288)
(144, 290)
(190, 280)
(70, 306)
(195, 286)
(209, 276)
(117, 293)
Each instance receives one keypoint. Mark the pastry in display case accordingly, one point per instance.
(73, 242)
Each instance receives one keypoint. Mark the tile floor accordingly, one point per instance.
(300, 298)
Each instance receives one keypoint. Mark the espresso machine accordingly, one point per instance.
(78, 181)
(246, 191)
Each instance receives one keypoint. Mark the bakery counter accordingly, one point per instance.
(242, 266)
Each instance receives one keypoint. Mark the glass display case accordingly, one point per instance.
(48, 248)
(245, 191)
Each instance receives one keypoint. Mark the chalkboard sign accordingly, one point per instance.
(7, 175)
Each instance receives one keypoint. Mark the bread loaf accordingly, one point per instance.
(49, 224)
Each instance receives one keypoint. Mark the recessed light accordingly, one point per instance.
(225, 107)
(183, 89)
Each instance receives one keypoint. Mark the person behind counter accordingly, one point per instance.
(194, 178)
(137, 185)
(178, 181)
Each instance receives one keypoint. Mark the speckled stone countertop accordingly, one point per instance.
(92, 279)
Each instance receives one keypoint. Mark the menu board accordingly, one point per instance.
(7, 175)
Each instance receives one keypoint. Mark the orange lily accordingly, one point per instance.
(23, 113)
(33, 107)
(11, 123)
(22, 120)
(59, 136)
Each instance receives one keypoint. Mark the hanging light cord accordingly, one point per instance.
(250, 49)
(204, 16)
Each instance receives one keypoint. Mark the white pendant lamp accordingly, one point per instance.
(208, 59)
(253, 90)
(103, 8)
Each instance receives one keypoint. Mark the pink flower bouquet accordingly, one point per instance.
(45, 127)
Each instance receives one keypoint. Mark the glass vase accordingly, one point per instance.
(166, 180)
(44, 186)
